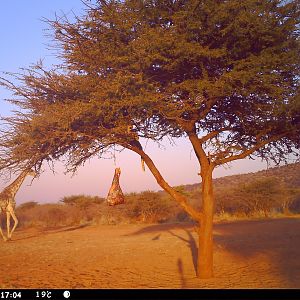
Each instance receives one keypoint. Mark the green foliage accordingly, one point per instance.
(227, 69)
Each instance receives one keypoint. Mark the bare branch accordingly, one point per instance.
(196, 215)
(249, 151)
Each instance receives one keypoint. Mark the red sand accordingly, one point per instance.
(247, 254)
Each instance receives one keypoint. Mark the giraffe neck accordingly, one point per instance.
(14, 186)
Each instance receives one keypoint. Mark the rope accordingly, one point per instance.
(114, 155)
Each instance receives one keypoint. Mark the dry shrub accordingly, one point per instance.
(145, 207)
(82, 201)
(28, 205)
(44, 215)
(229, 217)
(258, 198)
(55, 216)
(50, 216)
(148, 207)
(73, 210)
(84, 208)
(112, 215)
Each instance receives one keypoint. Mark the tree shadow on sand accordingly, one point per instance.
(191, 243)
(50, 231)
(181, 273)
(279, 239)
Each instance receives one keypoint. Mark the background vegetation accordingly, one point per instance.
(269, 193)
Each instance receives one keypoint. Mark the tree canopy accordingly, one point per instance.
(226, 70)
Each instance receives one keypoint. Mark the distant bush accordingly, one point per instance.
(28, 205)
(81, 200)
(54, 216)
(239, 196)
(295, 206)
(228, 201)
(261, 196)
(148, 207)
(43, 216)
(290, 200)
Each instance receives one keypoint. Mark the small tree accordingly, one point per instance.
(288, 197)
(261, 195)
(223, 74)
(147, 206)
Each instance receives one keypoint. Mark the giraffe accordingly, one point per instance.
(8, 203)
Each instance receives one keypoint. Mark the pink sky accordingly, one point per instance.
(177, 164)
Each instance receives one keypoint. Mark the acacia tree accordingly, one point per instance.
(223, 74)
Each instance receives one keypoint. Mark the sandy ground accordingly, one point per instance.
(247, 254)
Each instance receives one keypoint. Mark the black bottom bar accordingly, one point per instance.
(150, 294)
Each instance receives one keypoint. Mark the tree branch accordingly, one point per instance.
(212, 134)
(190, 130)
(196, 215)
(249, 151)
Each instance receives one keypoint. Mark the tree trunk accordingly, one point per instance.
(203, 217)
(205, 251)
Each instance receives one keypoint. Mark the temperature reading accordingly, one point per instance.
(43, 294)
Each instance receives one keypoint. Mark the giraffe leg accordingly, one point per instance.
(8, 223)
(12, 213)
(3, 236)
